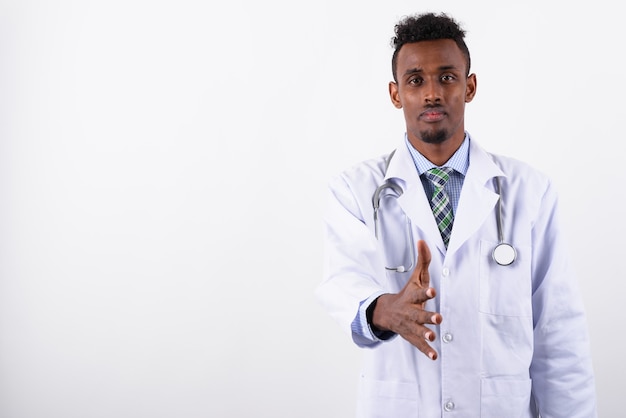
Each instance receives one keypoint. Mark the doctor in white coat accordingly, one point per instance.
(457, 334)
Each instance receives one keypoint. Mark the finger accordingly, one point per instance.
(419, 316)
(422, 345)
(420, 295)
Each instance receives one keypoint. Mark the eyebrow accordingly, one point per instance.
(416, 70)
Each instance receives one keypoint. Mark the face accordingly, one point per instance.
(432, 90)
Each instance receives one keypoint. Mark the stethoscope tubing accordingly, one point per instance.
(504, 254)
(376, 199)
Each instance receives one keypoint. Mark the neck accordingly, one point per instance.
(437, 154)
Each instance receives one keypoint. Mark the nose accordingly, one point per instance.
(432, 92)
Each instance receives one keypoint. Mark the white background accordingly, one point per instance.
(162, 176)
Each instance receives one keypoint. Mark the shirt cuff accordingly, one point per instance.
(363, 329)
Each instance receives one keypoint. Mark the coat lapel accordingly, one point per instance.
(414, 201)
(478, 198)
(476, 203)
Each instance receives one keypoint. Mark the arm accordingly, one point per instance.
(354, 277)
(352, 265)
(561, 370)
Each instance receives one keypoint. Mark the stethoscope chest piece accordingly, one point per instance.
(504, 254)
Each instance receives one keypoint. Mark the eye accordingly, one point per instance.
(448, 78)
(415, 81)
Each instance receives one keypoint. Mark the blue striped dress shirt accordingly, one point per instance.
(459, 162)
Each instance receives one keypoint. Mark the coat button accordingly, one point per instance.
(447, 337)
(448, 406)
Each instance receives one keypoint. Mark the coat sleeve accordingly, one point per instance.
(561, 369)
(352, 260)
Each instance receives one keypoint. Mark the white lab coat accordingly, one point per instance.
(513, 340)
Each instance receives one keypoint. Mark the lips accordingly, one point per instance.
(432, 115)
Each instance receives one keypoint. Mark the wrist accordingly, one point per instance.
(374, 315)
(379, 331)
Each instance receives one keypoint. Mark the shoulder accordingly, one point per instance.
(530, 190)
(518, 171)
(354, 188)
(364, 173)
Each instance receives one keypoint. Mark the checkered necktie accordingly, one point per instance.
(440, 202)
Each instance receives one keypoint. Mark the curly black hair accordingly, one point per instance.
(427, 27)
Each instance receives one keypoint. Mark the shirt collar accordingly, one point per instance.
(459, 160)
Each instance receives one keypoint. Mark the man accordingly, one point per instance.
(453, 327)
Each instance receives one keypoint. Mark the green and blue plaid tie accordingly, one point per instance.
(440, 202)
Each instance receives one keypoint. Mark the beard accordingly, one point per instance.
(434, 137)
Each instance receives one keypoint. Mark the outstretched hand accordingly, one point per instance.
(403, 312)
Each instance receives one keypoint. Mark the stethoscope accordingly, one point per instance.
(503, 254)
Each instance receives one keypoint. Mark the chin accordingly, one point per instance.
(434, 137)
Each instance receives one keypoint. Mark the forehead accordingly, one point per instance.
(427, 55)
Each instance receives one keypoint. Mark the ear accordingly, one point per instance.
(393, 94)
(470, 88)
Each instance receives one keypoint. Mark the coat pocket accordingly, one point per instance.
(508, 398)
(384, 399)
(505, 290)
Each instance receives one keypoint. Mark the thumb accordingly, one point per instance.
(423, 262)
